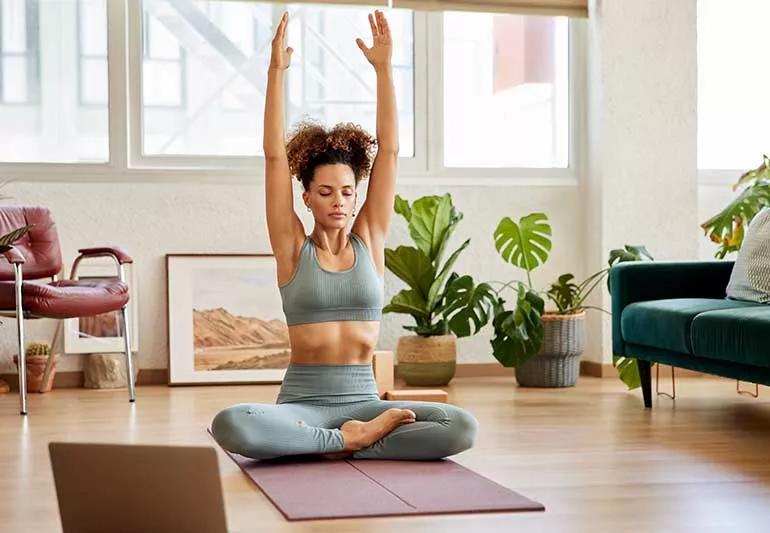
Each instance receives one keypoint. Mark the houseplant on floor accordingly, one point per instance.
(443, 304)
(36, 358)
(545, 347)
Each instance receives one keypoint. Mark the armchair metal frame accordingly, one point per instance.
(15, 257)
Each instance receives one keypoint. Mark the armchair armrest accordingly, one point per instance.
(14, 256)
(659, 280)
(118, 253)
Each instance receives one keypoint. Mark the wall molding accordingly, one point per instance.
(159, 376)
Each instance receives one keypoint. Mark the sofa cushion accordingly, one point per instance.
(666, 323)
(750, 278)
(739, 335)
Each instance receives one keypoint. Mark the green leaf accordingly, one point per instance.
(438, 283)
(12, 236)
(402, 208)
(439, 328)
(564, 293)
(627, 255)
(412, 266)
(762, 172)
(519, 333)
(431, 217)
(410, 302)
(466, 304)
(726, 228)
(526, 244)
(628, 371)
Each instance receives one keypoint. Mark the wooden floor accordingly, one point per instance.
(592, 454)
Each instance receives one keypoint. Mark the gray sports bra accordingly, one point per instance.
(314, 294)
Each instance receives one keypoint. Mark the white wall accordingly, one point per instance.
(153, 219)
(639, 185)
(641, 182)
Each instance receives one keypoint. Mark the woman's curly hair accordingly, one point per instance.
(311, 145)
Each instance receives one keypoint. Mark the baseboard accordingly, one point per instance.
(74, 378)
(606, 370)
(159, 376)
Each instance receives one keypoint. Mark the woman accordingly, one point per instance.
(331, 283)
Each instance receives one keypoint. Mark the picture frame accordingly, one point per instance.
(225, 320)
(103, 333)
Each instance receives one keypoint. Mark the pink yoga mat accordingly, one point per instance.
(305, 488)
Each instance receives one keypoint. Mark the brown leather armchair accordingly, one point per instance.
(26, 293)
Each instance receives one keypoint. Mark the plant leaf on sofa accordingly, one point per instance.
(628, 371)
(726, 228)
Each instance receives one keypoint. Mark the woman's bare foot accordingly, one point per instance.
(358, 434)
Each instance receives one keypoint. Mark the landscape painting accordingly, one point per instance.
(226, 323)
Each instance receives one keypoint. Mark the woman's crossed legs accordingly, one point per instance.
(266, 431)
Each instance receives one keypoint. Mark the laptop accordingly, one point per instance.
(111, 488)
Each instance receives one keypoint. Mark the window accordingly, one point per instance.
(733, 109)
(41, 119)
(92, 53)
(210, 60)
(479, 94)
(19, 77)
(336, 83)
(505, 90)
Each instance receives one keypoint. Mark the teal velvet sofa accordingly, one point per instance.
(676, 313)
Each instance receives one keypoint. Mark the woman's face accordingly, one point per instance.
(332, 195)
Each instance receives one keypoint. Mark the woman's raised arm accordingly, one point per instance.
(375, 216)
(284, 227)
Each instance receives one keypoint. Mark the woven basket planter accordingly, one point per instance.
(427, 361)
(558, 362)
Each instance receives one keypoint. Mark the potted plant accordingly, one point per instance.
(36, 359)
(443, 304)
(726, 228)
(545, 347)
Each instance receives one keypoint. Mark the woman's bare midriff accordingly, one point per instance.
(346, 342)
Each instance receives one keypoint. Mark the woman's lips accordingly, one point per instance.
(338, 215)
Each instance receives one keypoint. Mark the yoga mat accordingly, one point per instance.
(306, 487)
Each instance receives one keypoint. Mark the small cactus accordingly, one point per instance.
(38, 348)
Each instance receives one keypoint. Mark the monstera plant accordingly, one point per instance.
(726, 228)
(519, 330)
(628, 370)
(443, 304)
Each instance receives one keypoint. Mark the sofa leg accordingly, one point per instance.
(646, 377)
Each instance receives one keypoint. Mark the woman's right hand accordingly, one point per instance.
(280, 57)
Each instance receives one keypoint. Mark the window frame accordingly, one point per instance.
(127, 163)
(710, 176)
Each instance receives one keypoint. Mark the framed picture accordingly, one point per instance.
(225, 320)
(103, 333)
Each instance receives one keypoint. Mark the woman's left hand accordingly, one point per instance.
(380, 52)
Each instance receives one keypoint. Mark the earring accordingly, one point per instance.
(308, 208)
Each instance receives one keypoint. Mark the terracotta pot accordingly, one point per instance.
(558, 362)
(35, 369)
(427, 361)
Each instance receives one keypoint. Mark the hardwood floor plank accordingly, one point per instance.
(591, 454)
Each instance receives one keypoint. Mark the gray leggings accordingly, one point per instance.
(315, 400)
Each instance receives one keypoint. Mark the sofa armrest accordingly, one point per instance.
(659, 280)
